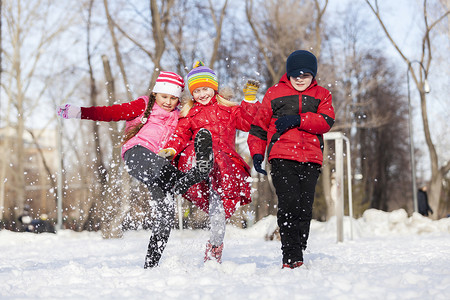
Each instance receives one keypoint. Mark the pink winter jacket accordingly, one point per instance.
(153, 135)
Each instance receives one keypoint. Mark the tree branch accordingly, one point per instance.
(248, 9)
(377, 14)
(134, 41)
(218, 26)
(117, 51)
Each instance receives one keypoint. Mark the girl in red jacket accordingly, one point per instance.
(228, 186)
(293, 116)
(150, 122)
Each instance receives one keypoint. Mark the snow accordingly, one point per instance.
(391, 256)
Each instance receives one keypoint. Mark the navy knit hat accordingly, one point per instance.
(300, 62)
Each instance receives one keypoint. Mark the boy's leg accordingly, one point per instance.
(309, 174)
(217, 220)
(295, 186)
(204, 158)
(161, 226)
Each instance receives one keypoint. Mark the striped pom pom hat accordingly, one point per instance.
(201, 76)
(169, 83)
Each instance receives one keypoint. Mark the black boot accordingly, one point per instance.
(154, 251)
(153, 255)
(161, 223)
(204, 157)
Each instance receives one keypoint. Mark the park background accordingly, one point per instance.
(374, 56)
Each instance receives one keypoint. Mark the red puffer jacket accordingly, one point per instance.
(302, 144)
(230, 175)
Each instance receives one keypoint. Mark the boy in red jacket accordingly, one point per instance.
(290, 122)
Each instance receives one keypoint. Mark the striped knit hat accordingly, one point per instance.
(169, 83)
(201, 76)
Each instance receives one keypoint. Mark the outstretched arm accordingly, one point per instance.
(118, 112)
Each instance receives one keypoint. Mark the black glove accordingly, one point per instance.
(257, 161)
(287, 122)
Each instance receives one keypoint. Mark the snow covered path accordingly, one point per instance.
(391, 257)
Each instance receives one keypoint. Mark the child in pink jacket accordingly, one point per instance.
(150, 122)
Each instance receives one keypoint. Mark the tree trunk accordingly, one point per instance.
(19, 147)
(160, 23)
(436, 174)
(114, 202)
(96, 212)
(117, 52)
(218, 26)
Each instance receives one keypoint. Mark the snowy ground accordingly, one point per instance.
(391, 257)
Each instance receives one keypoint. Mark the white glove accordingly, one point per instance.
(69, 111)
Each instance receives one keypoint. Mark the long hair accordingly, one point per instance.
(132, 131)
(223, 98)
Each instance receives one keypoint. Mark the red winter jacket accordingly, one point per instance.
(230, 175)
(302, 144)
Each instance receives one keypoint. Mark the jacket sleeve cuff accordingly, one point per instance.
(250, 101)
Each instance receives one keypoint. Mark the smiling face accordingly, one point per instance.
(301, 82)
(203, 95)
(166, 101)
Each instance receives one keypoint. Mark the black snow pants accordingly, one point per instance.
(295, 185)
(158, 175)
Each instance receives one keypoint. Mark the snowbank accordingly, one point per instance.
(392, 256)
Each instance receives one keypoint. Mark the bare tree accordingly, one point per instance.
(218, 22)
(419, 76)
(369, 108)
(114, 202)
(383, 148)
(160, 20)
(99, 166)
(2, 164)
(107, 208)
(24, 63)
(176, 36)
(117, 51)
(280, 28)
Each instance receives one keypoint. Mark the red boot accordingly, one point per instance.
(213, 252)
(293, 265)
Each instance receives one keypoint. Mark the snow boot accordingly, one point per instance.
(204, 157)
(155, 249)
(293, 265)
(213, 252)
